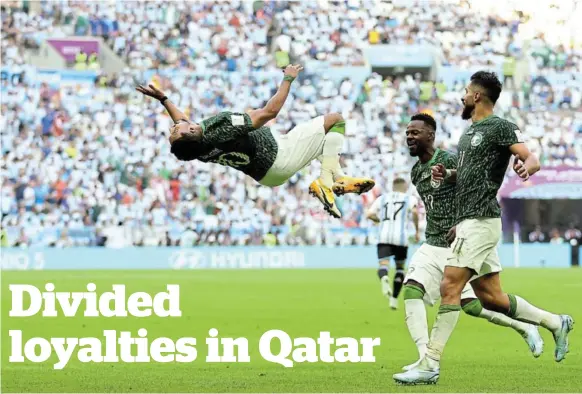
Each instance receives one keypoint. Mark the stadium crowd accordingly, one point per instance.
(90, 164)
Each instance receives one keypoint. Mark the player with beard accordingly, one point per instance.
(485, 150)
(425, 272)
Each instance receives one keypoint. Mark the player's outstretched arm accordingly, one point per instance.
(261, 116)
(173, 111)
(529, 165)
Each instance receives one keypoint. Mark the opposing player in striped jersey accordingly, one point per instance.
(243, 142)
(425, 271)
(393, 211)
(485, 151)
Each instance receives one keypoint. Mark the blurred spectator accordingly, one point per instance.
(89, 164)
(556, 238)
(537, 235)
(573, 235)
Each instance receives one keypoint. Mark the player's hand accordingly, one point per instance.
(293, 70)
(151, 91)
(451, 235)
(520, 169)
(438, 172)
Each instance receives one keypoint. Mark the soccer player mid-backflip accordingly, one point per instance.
(243, 142)
(485, 150)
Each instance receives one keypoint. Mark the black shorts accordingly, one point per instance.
(387, 250)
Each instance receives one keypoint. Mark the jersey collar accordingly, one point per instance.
(434, 156)
(483, 120)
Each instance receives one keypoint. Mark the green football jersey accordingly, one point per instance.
(438, 197)
(229, 139)
(483, 159)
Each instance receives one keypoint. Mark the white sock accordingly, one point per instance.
(337, 173)
(522, 310)
(417, 324)
(444, 325)
(332, 146)
(505, 321)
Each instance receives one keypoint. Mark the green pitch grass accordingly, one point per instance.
(480, 357)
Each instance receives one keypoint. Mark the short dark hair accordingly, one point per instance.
(489, 82)
(399, 181)
(183, 150)
(426, 118)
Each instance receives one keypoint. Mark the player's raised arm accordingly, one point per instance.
(509, 136)
(173, 111)
(261, 116)
(529, 165)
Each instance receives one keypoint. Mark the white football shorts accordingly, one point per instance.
(297, 149)
(427, 267)
(475, 246)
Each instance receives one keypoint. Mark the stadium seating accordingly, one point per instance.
(89, 163)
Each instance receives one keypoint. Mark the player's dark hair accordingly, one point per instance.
(426, 118)
(399, 181)
(183, 150)
(489, 82)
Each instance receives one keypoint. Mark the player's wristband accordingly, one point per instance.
(448, 174)
(288, 78)
(163, 99)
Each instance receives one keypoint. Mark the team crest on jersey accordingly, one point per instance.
(435, 184)
(477, 139)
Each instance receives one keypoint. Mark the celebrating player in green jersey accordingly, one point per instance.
(425, 271)
(485, 150)
(243, 142)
